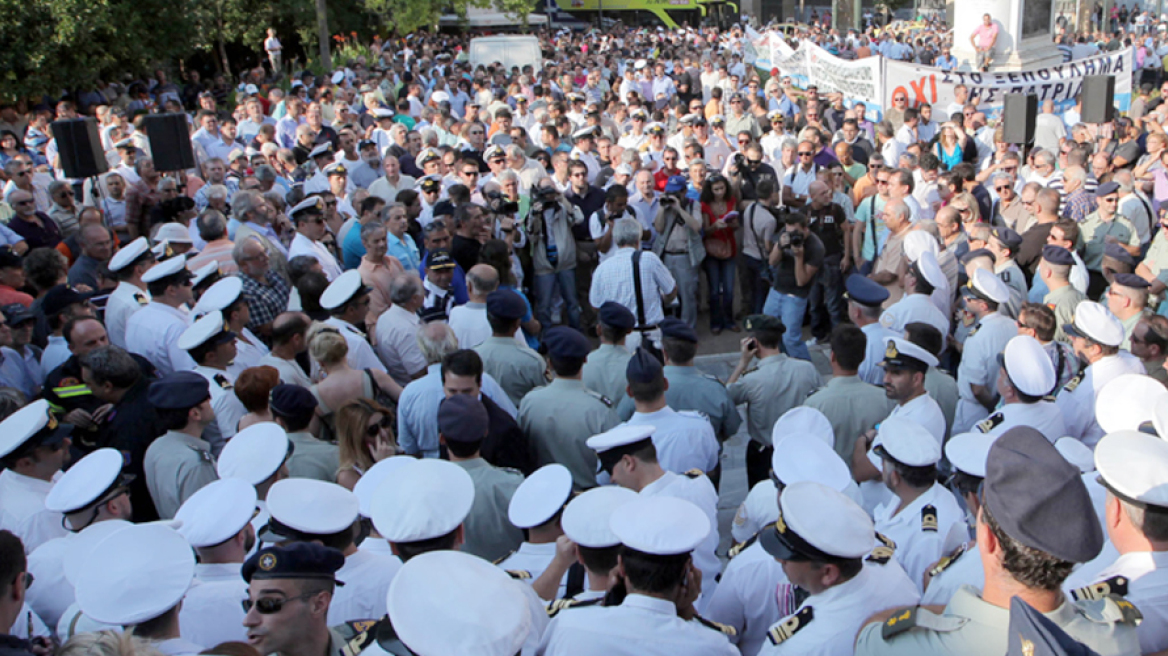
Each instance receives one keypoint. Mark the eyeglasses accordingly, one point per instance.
(1002, 188)
(875, 166)
(584, 175)
(272, 605)
(753, 162)
(471, 174)
(1109, 199)
(804, 153)
(743, 142)
(385, 423)
(735, 102)
(881, 182)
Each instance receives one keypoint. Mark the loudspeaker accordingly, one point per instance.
(1018, 116)
(1098, 96)
(80, 148)
(170, 142)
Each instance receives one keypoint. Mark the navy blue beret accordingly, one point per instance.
(297, 560)
(566, 342)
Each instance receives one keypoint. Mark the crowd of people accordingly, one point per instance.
(406, 363)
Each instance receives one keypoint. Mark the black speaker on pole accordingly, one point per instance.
(1018, 115)
(80, 149)
(170, 142)
(1098, 96)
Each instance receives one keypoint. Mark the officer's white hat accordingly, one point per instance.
(640, 63)
(321, 149)
(206, 271)
(660, 525)
(128, 253)
(217, 512)
(1096, 322)
(1076, 453)
(80, 545)
(307, 203)
(930, 269)
(427, 154)
(623, 169)
(135, 574)
(806, 422)
(1030, 368)
(797, 458)
(159, 249)
(33, 421)
(165, 268)
(688, 119)
(342, 290)
(584, 133)
(203, 330)
(426, 499)
(1134, 467)
(620, 436)
(986, 285)
(815, 518)
(381, 112)
(1129, 401)
(366, 487)
(175, 233)
(125, 143)
(448, 602)
(917, 242)
(968, 452)
(255, 454)
(908, 442)
(493, 151)
(774, 114)
(439, 96)
(86, 481)
(220, 295)
(898, 348)
(586, 519)
(312, 506)
(540, 496)
(338, 77)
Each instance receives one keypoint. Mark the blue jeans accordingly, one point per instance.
(720, 277)
(545, 286)
(790, 310)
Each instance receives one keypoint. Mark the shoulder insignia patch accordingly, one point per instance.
(726, 629)
(929, 518)
(948, 560)
(1005, 276)
(518, 574)
(561, 604)
(141, 298)
(695, 473)
(916, 617)
(886, 541)
(502, 558)
(899, 623)
(606, 401)
(1116, 585)
(1129, 614)
(790, 626)
(991, 422)
(222, 381)
(881, 555)
(1073, 383)
(973, 331)
(742, 546)
(364, 632)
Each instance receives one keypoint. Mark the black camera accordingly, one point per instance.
(795, 238)
(499, 204)
(547, 194)
(740, 160)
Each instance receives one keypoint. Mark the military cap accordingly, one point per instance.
(1033, 634)
(566, 342)
(255, 454)
(1039, 499)
(927, 267)
(366, 486)
(586, 518)
(1028, 366)
(506, 304)
(79, 547)
(655, 128)
(210, 330)
(345, 288)
(440, 259)
(60, 297)
(424, 499)
(1117, 252)
(135, 574)
(803, 459)
(806, 422)
(1096, 322)
(817, 523)
(291, 400)
(33, 425)
(129, 254)
(1075, 452)
(16, 314)
(865, 291)
(917, 243)
(1106, 189)
(643, 367)
(906, 442)
(382, 113)
(365, 143)
(88, 481)
(660, 525)
(615, 315)
(1130, 280)
(462, 418)
(764, 322)
(1009, 238)
(677, 329)
(208, 273)
(295, 560)
(308, 507)
(1057, 255)
(217, 512)
(985, 285)
(321, 150)
(901, 353)
(310, 205)
(1134, 467)
(976, 253)
(430, 183)
(718, 119)
(126, 143)
(1129, 402)
(427, 155)
(336, 168)
(494, 151)
(968, 452)
(540, 496)
(181, 390)
(221, 295)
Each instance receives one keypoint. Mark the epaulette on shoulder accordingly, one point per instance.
(1110, 609)
(886, 541)
(726, 629)
(782, 631)
(991, 422)
(1073, 383)
(742, 546)
(917, 617)
(1116, 585)
(929, 518)
(518, 574)
(695, 473)
(948, 560)
(222, 381)
(357, 635)
(502, 558)
(562, 604)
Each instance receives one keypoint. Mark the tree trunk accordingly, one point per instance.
(322, 34)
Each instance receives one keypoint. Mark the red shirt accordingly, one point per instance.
(661, 177)
(9, 295)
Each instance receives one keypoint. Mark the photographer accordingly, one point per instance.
(795, 260)
(746, 170)
(503, 210)
(679, 222)
(553, 251)
(616, 207)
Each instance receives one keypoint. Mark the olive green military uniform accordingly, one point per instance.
(604, 372)
(559, 418)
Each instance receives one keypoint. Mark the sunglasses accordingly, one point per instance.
(1002, 188)
(271, 605)
(472, 174)
(805, 154)
(754, 162)
(373, 430)
(881, 182)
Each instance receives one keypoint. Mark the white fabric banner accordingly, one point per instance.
(858, 81)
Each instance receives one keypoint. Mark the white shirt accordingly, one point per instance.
(361, 355)
(912, 308)
(24, 498)
(52, 593)
(799, 179)
(597, 228)
(747, 596)
(1146, 573)
(290, 372)
(211, 613)
(469, 323)
(1077, 401)
(1043, 416)
(249, 351)
(228, 408)
(917, 547)
(870, 370)
(387, 191)
(684, 440)
(979, 366)
(613, 281)
(55, 353)
(124, 301)
(302, 245)
(153, 333)
(534, 559)
(366, 577)
(966, 570)
(699, 491)
(397, 344)
(640, 626)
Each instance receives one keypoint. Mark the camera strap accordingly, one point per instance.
(637, 289)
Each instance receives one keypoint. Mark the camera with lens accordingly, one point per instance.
(740, 161)
(547, 194)
(499, 204)
(795, 239)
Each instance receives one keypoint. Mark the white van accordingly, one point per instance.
(511, 50)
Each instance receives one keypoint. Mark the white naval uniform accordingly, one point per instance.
(366, 577)
(534, 559)
(124, 301)
(248, 354)
(211, 613)
(966, 569)
(747, 597)
(227, 406)
(22, 499)
(925, 411)
(1077, 397)
(302, 245)
(919, 541)
(870, 370)
(640, 626)
(761, 507)
(361, 354)
(52, 593)
(1043, 416)
(1142, 578)
(912, 308)
(699, 491)
(589, 160)
(837, 614)
(153, 333)
(73, 621)
(979, 366)
(684, 440)
(178, 647)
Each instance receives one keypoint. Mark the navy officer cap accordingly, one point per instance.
(295, 560)
(615, 315)
(1039, 499)
(643, 367)
(1057, 255)
(462, 418)
(181, 390)
(506, 304)
(1009, 238)
(566, 342)
(1130, 280)
(865, 291)
(1034, 634)
(291, 400)
(678, 329)
(1117, 252)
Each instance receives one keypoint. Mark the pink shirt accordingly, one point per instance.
(986, 34)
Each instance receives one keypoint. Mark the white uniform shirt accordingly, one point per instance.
(228, 408)
(470, 325)
(211, 613)
(1146, 576)
(23, 498)
(589, 161)
(302, 245)
(966, 570)
(1043, 416)
(747, 597)
(534, 559)
(124, 301)
(917, 546)
(361, 355)
(979, 366)
(699, 491)
(1077, 401)
(925, 411)
(52, 593)
(684, 440)
(153, 333)
(248, 354)
(870, 370)
(912, 308)
(366, 577)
